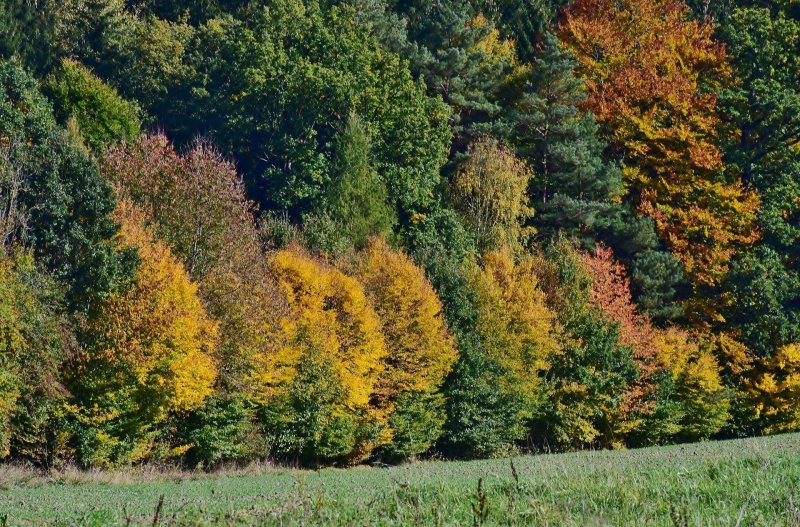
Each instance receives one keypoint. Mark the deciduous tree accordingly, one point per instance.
(651, 74)
(490, 190)
(147, 353)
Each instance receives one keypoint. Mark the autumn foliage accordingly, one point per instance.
(650, 73)
(152, 348)
(517, 327)
(420, 350)
(195, 202)
(325, 233)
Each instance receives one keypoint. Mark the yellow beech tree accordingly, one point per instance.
(698, 391)
(150, 352)
(516, 326)
(420, 351)
(317, 383)
(774, 390)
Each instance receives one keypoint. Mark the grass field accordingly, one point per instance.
(743, 482)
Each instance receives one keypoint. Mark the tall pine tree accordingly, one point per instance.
(575, 190)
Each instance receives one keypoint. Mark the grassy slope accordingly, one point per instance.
(752, 482)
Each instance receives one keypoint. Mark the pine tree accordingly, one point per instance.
(574, 189)
(450, 53)
(560, 142)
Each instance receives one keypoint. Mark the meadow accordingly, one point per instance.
(724, 483)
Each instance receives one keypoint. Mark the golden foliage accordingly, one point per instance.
(158, 330)
(328, 318)
(698, 386)
(775, 390)
(493, 45)
(516, 326)
(688, 362)
(650, 73)
(196, 203)
(420, 352)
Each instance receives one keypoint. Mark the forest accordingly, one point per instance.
(330, 232)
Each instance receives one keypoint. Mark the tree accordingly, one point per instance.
(358, 199)
(774, 390)
(481, 420)
(559, 141)
(574, 189)
(315, 386)
(420, 350)
(523, 21)
(610, 293)
(517, 328)
(27, 34)
(760, 109)
(103, 117)
(33, 342)
(489, 189)
(325, 67)
(592, 379)
(700, 398)
(462, 58)
(147, 353)
(196, 204)
(652, 89)
(62, 205)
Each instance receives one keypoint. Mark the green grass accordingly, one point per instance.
(743, 482)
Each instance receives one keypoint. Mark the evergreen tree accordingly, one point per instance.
(574, 189)
(452, 53)
(524, 21)
(358, 199)
(26, 32)
(560, 143)
(762, 110)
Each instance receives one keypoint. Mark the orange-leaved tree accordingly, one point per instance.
(196, 204)
(148, 353)
(651, 72)
(678, 393)
(611, 294)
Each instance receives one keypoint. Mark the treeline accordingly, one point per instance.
(331, 232)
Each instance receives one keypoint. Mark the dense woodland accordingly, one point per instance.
(331, 232)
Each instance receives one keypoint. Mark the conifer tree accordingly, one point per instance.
(358, 199)
(574, 189)
(450, 54)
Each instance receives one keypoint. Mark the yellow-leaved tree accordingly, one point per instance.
(420, 351)
(700, 401)
(148, 354)
(774, 390)
(516, 326)
(316, 385)
(489, 189)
